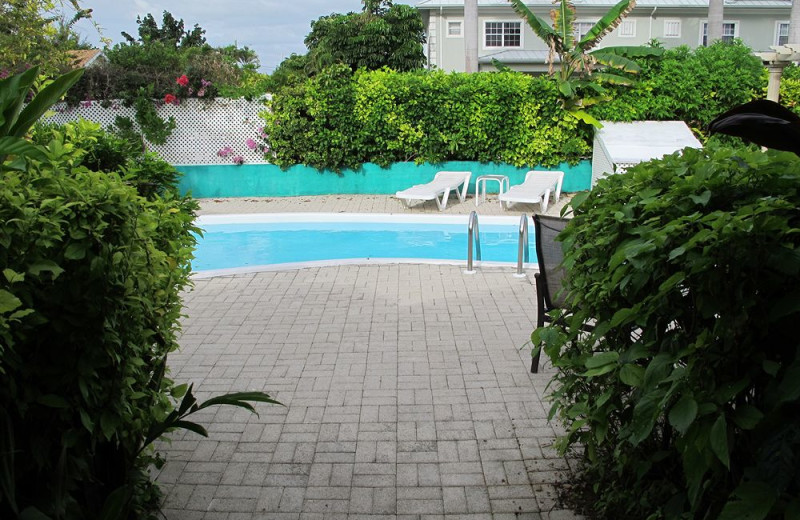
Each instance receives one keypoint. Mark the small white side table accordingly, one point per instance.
(480, 186)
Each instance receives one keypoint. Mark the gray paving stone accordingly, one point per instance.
(406, 397)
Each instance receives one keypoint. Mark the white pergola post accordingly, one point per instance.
(775, 62)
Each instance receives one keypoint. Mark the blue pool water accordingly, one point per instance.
(245, 244)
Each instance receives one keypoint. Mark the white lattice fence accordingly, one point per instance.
(204, 127)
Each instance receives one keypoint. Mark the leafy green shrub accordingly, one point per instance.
(89, 307)
(691, 85)
(90, 302)
(84, 143)
(685, 398)
(339, 120)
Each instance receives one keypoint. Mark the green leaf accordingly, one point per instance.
(31, 513)
(756, 500)
(542, 29)
(701, 199)
(13, 276)
(747, 416)
(42, 102)
(586, 118)
(8, 302)
(603, 26)
(75, 251)
(602, 359)
(771, 367)
(683, 413)
(192, 427)
(718, 439)
(10, 145)
(632, 375)
(45, 266)
(616, 61)
(53, 401)
(671, 282)
(789, 388)
(116, 504)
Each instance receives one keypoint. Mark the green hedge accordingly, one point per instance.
(691, 85)
(89, 309)
(685, 400)
(340, 120)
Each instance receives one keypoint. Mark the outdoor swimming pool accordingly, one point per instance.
(235, 243)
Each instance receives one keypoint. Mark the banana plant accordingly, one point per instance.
(583, 70)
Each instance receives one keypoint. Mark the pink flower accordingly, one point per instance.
(262, 132)
(205, 83)
(170, 99)
(201, 92)
(87, 103)
(190, 91)
(250, 144)
(182, 81)
(238, 160)
(225, 151)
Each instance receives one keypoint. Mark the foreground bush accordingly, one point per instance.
(340, 120)
(685, 400)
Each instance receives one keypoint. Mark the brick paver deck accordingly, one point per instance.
(407, 395)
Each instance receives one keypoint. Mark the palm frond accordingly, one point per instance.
(641, 51)
(614, 79)
(616, 61)
(539, 26)
(606, 24)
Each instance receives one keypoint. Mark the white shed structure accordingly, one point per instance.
(618, 146)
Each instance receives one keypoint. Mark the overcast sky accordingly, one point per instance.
(273, 28)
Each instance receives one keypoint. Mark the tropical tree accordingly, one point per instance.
(382, 35)
(583, 70)
(31, 34)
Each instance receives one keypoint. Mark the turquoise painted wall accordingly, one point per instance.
(266, 180)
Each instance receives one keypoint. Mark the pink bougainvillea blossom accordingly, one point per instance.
(87, 103)
(250, 144)
(201, 92)
(205, 83)
(225, 151)
(171, 99)
(262, 132)
(182, 81)
(238, 160)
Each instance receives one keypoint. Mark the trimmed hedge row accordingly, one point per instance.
(691, 85)
(340, 120)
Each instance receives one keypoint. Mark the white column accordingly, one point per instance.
(471, 35)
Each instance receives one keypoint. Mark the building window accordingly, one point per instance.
(503, 34)
(454, 29)
(730, 30)
(781, 33)
(672, 28)
(627, 29)
(582, 28)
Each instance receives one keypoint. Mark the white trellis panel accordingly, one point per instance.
(203, 127)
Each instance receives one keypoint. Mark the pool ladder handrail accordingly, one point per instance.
(523, 249)
(473, 236)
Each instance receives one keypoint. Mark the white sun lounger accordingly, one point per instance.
(536, 188)
(438, 189)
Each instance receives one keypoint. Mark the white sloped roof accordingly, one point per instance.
(632, 143)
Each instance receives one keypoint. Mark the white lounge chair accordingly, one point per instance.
(536, 188)
(438, 189)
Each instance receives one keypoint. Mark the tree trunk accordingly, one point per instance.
(715, 18)
(471, 35)
(794, 23)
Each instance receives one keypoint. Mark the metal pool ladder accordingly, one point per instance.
(523, 253)
(473, 235)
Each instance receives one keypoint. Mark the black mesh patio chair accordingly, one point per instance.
(549, 279)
